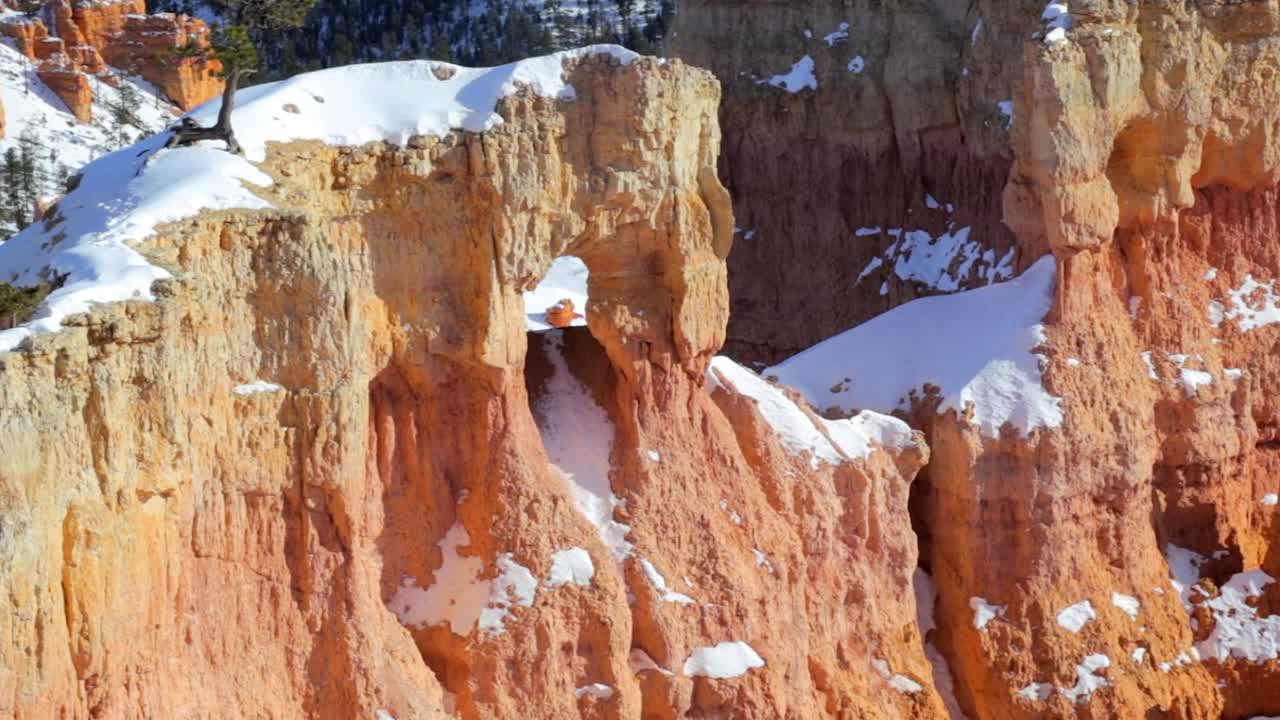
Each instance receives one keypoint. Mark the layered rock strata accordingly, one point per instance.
(327, 473)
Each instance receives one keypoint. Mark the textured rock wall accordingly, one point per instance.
(183, 542)
(1140, 151)
(907, 104)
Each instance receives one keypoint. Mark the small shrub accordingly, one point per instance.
(18, 303)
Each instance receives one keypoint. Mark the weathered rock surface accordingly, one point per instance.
(891, 106)
(1138, 150)
(333, 410)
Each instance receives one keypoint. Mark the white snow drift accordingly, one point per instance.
(977, 346)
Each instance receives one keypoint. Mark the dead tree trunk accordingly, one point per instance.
(189, 133)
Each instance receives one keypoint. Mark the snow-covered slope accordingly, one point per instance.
(33, 113)
(124, 196)
(978, 347)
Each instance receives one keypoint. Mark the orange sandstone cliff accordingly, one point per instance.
(87, 36)
(328, 474)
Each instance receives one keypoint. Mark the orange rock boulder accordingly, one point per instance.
(146, 46)
(562, 315)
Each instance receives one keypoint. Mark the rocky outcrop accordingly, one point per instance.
(147, 45)
(1142, 162)
(856, 131)
(1130, 141)
(26, 31)
(69, 83)
(89, 36)
(335, 425)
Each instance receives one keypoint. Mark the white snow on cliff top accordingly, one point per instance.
(977, 346)
(124, 196)
(392, 101)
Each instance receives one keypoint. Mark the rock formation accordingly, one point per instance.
(338, 425)
(69, 83)
(1131, 141)
(330, 455)
(89, 36)
(28, 32)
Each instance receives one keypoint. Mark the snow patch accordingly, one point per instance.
(922, 258)
(660, 584)
(1238, 631)
(800, 78)
(901, 683)
(1006, 109)
(573, 565)
(257, 387)
(1037, 691)
(831, 441)
(1087, 678)
(1128, 603)
(566, 280)
(725, 660)
(984, 612)
(1076, 616)
(578, 436)
(515, 586)
(1254, 304)
(762, 559)
(976, 346)
(839, 36)
(1057, 20)
(1184, 565)
(595, 691)
(394, 101)
(1270, 499)
(926, 599)
(458, 595)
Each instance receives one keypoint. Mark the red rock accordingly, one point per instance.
(145, 47)
(118, 33)
(101, 22)
(49, 47)
(561, 315)
(27, 31)
(69, 83)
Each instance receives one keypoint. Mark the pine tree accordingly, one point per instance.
(234, 47)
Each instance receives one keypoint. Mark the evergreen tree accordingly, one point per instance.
(234, 47)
